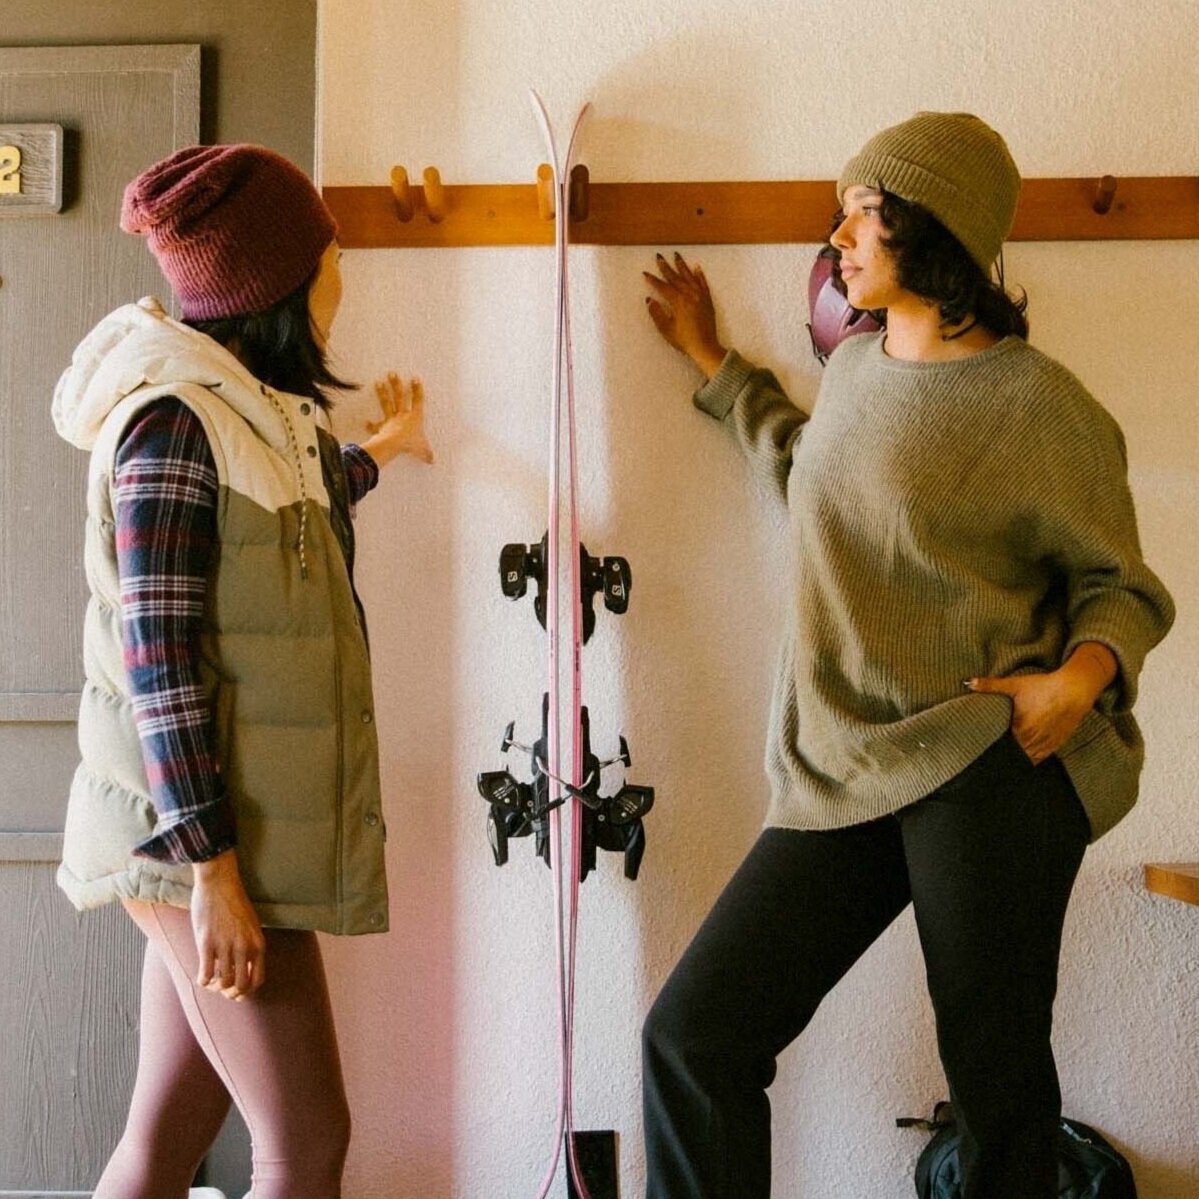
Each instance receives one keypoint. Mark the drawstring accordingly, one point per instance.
(298, 462)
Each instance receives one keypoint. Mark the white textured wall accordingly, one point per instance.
(447, 1024)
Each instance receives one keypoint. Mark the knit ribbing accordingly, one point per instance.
(952, 164)
(235, 229)
(948, 520)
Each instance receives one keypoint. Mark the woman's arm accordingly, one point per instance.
(165, 497)
(1082, 524)
(767, 424)
(165, 508)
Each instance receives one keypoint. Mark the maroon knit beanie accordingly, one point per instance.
(234, 228)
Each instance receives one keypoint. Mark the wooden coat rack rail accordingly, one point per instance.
(1179, 880)
(722, 213)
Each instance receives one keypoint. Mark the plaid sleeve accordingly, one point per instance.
(165, 497)
(362, 471)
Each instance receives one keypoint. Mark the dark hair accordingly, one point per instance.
(278, 347)
(932, 263)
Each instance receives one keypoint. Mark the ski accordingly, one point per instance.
(518, 809)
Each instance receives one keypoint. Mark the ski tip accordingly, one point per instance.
(542, 116)
(580, 121)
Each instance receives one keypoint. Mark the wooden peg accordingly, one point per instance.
(1105, 193)
(434, 195)
(399, 190)
(545, 192)
(580, 192)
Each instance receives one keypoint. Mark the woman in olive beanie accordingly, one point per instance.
(952, 720)
(228, 794)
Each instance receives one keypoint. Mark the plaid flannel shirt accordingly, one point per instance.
(166, 497)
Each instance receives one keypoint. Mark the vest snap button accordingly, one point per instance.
(312, 451)
(371, 818)
(376, 920)
(305, 409)
(367, 718)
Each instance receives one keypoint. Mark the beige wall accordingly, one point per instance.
(447, 1023)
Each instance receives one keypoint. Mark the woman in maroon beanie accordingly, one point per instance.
(228, 793)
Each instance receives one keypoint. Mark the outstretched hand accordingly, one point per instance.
(402, 429)
(683, 312)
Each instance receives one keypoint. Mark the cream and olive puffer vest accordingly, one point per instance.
(283, 656)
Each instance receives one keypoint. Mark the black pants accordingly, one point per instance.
(988, 861)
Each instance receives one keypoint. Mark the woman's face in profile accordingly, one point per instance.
(324, 296)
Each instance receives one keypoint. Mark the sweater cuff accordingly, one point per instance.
(197, 837)
(720, 392)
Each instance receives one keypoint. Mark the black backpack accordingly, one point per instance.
(1088, 1167)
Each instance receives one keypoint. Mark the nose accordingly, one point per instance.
(840, 236)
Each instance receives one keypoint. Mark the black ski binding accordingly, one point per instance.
(610, 822)
(516, 809)
(611, 576)
(518, 564)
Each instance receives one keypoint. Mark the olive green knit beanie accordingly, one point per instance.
(952, 164)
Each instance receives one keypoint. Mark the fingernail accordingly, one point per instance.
(968, 684)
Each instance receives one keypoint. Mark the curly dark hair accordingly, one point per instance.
(931, 262)
(278, 347)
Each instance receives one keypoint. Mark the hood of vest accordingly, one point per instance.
(139, 345)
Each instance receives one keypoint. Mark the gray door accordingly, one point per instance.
(68, 983)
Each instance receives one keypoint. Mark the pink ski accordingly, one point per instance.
(517, 808)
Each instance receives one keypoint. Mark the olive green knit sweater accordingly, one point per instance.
(948, 520)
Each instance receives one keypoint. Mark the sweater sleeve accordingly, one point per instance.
(766, 423)
(166, 495)
(1086, 529)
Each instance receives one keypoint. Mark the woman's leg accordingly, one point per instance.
(179, 1102)
(992, 857)
(276, 1054)
(801, 909)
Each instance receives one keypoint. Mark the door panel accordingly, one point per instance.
(68, 990)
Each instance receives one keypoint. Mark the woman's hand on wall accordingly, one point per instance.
(683, 312)
(402, 429)
(1047, 707)
(228, 933)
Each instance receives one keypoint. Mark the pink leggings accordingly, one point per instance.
(274, 1055)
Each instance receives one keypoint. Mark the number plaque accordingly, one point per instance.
(30, 170)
